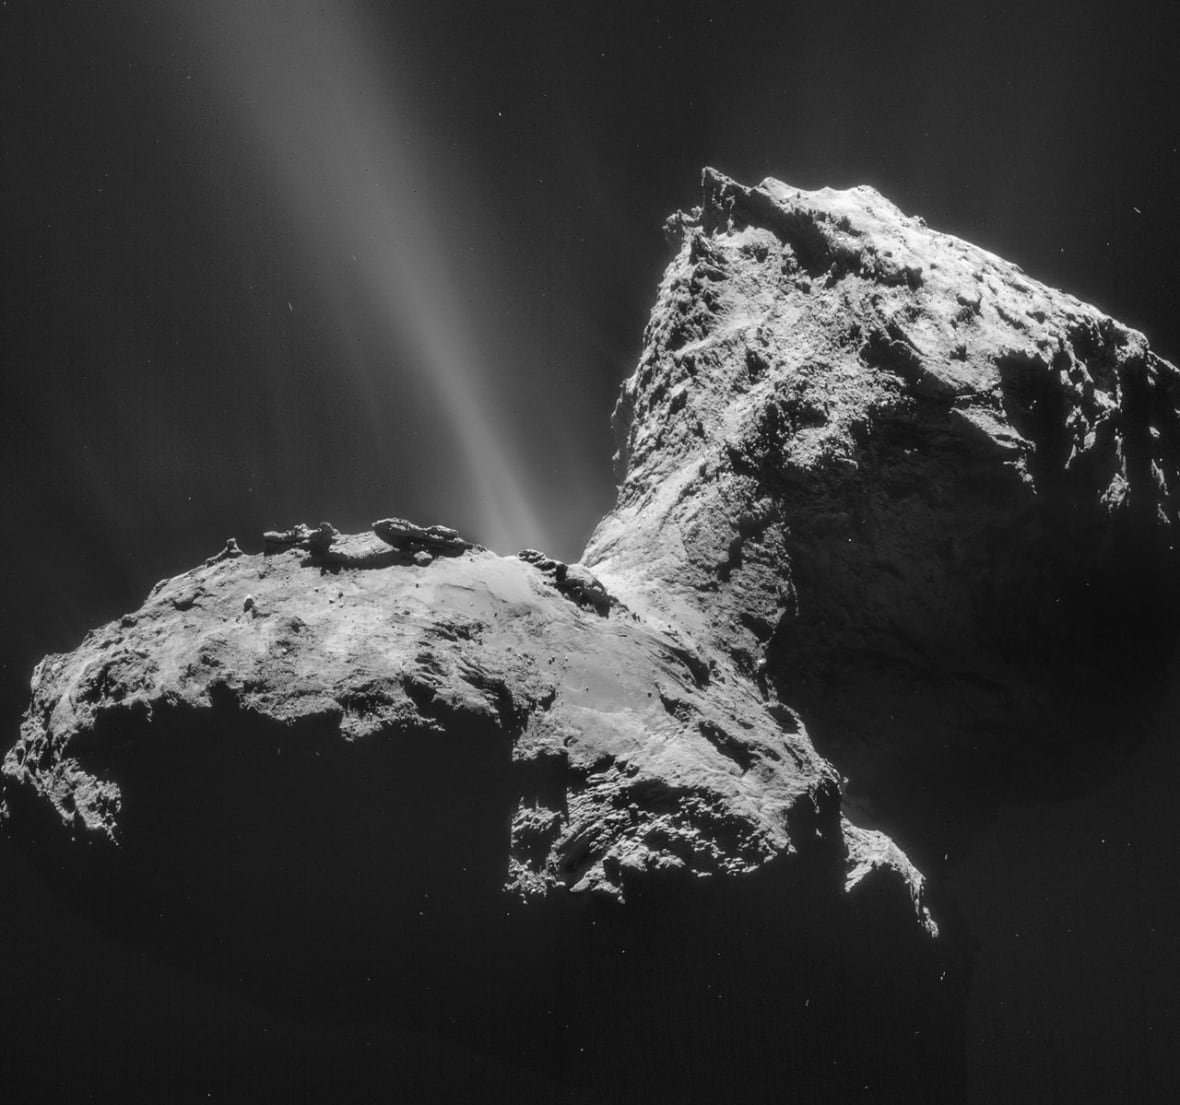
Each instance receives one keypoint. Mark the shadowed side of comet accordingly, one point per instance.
(238, 867)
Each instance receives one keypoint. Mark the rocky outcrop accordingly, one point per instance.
(575, 581)
(625, 754)
(894, 537)
(923, 498)
(362, 787)
(433, 540)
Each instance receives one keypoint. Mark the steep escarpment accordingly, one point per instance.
(894, 539)
(924, 499)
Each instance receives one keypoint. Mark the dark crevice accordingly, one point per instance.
(1035, 402)
(729, 746)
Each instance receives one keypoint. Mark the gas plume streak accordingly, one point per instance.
(348, 169)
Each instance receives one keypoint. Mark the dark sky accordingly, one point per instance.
(267, 262)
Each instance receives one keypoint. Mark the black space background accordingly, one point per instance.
(181, 362)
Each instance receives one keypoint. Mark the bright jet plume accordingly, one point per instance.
(352, 177)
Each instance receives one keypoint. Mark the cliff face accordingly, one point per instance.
(882, 495)
(922, 498)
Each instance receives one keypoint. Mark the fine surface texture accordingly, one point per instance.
(927, 501)
(894, 542)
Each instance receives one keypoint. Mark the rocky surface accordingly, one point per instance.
(882, 495)
(626, 754)
(926, 500)
(356, 786)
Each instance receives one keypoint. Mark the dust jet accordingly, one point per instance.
(306, 82)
